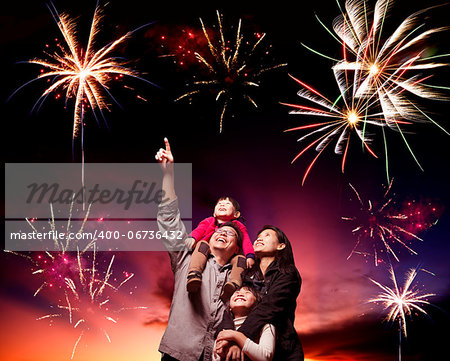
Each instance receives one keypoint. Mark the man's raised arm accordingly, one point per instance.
(165, 159)
(169, 218)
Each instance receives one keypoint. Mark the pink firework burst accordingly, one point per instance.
(380, 227)
(55, 265)
(91, 303)
(55, 268)
(177, 43)
(83, 289)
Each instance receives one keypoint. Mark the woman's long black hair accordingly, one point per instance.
(284, 257)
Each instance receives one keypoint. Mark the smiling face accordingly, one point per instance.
(267, 244)
(224, 211)
(224, 240)
(242, 301)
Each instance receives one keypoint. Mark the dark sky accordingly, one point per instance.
(250, 160)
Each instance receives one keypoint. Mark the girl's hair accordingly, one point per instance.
(285, 257)
(254, 291)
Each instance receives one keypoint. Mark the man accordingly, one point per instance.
(193, 318)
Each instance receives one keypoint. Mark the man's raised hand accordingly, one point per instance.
(165, 156)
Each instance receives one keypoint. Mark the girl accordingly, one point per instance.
(242, 302)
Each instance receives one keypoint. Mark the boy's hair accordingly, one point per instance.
(233, 201)
(233, 225)
(236, 206)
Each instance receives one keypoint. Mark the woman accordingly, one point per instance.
(276, 277)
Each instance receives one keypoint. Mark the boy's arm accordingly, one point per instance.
(199, 232)
(247, 246)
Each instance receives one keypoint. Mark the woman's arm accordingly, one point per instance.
(263, 350)
(233, 336)
(283, 291)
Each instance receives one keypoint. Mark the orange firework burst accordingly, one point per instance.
(351, 117)
(84, 74)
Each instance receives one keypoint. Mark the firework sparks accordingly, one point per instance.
(82, 74)
(82, 289)
(384, 70)
(400, 302)
(177, 43)
(351, 117)
(422, 214)
(88, 301)
(230, 74)
(379, 226)
(381, 66)
(56, 265)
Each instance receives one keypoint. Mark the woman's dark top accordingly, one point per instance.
(280, 289)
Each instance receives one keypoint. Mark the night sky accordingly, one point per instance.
(250, 160)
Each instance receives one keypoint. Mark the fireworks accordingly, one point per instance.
(82, 289)
(88, 301)
(177, 43)
(377, 75)
(56, 265)
(400, 302)
(379, 226)
(381, 67)
(83, 74)
(352, 117)
(230, 74)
